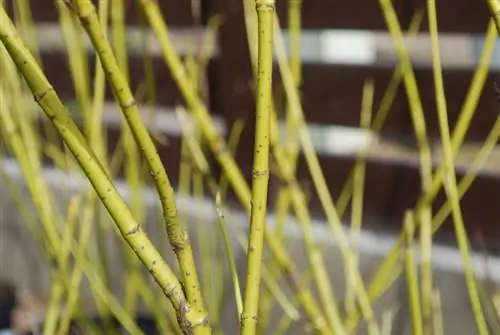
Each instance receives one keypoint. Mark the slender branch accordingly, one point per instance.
(450, 175)
(178, 236)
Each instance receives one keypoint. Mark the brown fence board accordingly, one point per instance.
(170, 152)
(176, 12)
(320, 14)
(458, 16)
(457, 83)
(57, 71)
(332, 95)
(316, 14)
(390, 190)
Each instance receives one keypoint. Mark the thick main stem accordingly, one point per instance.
(282, 206)
(219, 148)
(178, 237)
(249, 317)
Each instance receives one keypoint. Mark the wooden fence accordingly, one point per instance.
(331, 95)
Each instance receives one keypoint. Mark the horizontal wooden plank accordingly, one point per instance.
(456, 87)
(57, 71)
(169, 148)
(331, 94)
(186, 41)
(391, 188)
(319, 14)
(316, 14)
(176, 13)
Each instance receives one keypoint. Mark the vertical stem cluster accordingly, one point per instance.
(219, 148)
(320, 184)
(260, 174)
(192, 321)
(450, 183)
(177, 235)
(384, 276)
(282, 206)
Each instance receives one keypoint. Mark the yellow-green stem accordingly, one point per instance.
(77, 275)
(387, 321)
(178, 237)
(466, 113)
(132, 159)
(24, 23)
(287, 172)
(315, 257)
(222, 154)
(31, 173)
(450, 182)
(98, 143)
(494, 6)
(52, 316)
(260, 173)
(358, 192)
(411, 276)
(465, 183)
(283, 201)
(319, 179)
(412, 92)
(77, 55)
(381, 114)
(201, 164)
(384, 275)
(426, 268)
(437, 316)
(230, 255)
